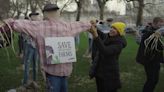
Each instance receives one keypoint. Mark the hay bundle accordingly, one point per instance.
(152, 43)
(5, 35)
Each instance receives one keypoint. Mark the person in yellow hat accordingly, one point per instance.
(105, 57)
(119, 27)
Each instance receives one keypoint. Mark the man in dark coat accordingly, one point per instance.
(109, 47)
(150, 59)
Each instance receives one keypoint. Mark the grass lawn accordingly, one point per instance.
(132, 74)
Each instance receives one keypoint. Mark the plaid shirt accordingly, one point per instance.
(38, 30)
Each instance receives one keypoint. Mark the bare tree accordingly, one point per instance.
(141, 4)
(79, 7)
(140, 8)
(26, 7)
(40, 3)
(154, 8)
(18, 6)
(4, 8)
(33, 5)
(140, 13)
(56, 1)
(65, 5)
(101, 4)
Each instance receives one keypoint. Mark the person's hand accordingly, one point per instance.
(93, 31)
(157, 34)
(93, 22)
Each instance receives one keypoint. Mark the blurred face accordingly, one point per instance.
(162, 24)
(52, 14)
(55, 13)
(113, 32)
(158, 24)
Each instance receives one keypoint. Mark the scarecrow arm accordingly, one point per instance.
(22, 26)
(78, 27)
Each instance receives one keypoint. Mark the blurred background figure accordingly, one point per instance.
(149, 57)
(30, 57)
(90, 40)
(77, 42)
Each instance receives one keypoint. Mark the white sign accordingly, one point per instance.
(60, 50)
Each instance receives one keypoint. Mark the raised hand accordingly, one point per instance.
(93, 29)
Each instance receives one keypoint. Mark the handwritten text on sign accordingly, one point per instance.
(60, 50)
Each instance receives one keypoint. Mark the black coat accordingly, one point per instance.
(109, 49)
(152, 55)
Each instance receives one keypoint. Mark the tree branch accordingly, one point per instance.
(76, 1)
(66, 4)
(131, 0)
(153, 4)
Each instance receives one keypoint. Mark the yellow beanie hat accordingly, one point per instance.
(120, 27)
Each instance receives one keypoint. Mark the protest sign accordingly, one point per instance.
(60, 50)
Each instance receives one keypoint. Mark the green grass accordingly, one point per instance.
(132, 74)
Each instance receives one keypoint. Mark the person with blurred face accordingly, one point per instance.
(157, 23)
(109, 21)
(109, 46)
(30, 56)
(90, 41)
(149, 58)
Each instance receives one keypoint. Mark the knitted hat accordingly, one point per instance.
(120, 27)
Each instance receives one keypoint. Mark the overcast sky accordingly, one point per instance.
(117, 6)
(112, 5)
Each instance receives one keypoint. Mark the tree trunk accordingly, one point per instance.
(39, 3)
(101, 5)
(4, 8)
(102, 12)
(12, 15)
(18, 14)
(27, 5)
(139, 21)
(33, 6)
(78, 11)
(25, 14)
